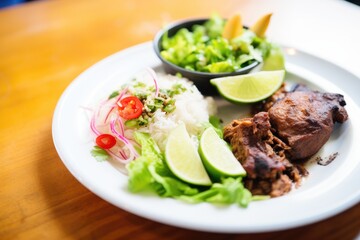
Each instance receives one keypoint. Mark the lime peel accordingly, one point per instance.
(217, 157)
(274, 61)
(249, 88)
(183, 158)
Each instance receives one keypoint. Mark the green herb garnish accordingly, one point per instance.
(99, 154)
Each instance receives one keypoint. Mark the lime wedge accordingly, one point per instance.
(183, 158)
(275, 60)
(217, 157)
(249, 88)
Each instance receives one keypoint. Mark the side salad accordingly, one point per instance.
(133, 124)
(218, 45)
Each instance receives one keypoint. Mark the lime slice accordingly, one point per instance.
(251, 87)
(275, 60)
(183, 158)
(217, 157)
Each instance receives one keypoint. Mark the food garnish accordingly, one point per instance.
(274, 61)
(249, 88)
(183, 158)
(130, 107)
(100, 154)
(150, 173)
(217, 157)
(105, 141)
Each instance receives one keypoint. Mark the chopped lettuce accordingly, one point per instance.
(149, 172)
(202, 48)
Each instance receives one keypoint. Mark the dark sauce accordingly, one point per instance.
(326, 160)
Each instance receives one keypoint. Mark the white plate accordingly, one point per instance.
(327, 191)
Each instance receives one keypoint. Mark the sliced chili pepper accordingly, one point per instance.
(130, 107)
(105, 141)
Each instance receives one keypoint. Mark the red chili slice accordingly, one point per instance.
(130, 107)
(105, 141)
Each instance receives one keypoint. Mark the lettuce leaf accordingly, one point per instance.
(149, 173)
(230, 190)
(99, 154)
(214, 122)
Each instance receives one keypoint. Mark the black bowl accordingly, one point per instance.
(200, 79)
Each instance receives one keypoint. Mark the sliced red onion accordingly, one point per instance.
(123, 139)
(108, 114)
(123, 154)
(117, 134)
(121, 95)
(154, 77)
(121, 124)
(121, 159)
(93, 126)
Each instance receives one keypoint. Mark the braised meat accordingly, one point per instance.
(262, 155)
(305, 120)
(277, 96)
(248, 138)
(293, 125)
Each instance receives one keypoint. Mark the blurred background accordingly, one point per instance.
(8, 3)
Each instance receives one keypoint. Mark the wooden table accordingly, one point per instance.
(44, 45)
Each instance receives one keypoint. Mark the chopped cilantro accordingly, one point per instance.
(99, 154)
(176, 89)
(114, 94)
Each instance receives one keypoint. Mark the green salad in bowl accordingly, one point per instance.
(203, 49)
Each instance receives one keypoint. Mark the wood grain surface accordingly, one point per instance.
(44, 45)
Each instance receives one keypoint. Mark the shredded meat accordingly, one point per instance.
(250, 140)
(262, 155)
(291, 125)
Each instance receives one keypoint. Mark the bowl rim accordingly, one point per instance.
(178, 23)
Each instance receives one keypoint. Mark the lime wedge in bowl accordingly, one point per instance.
(217, 157)
(274, 61)
(249, 88)
(183, 158)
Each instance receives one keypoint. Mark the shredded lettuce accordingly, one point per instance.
(204, 49)
(149, 173)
